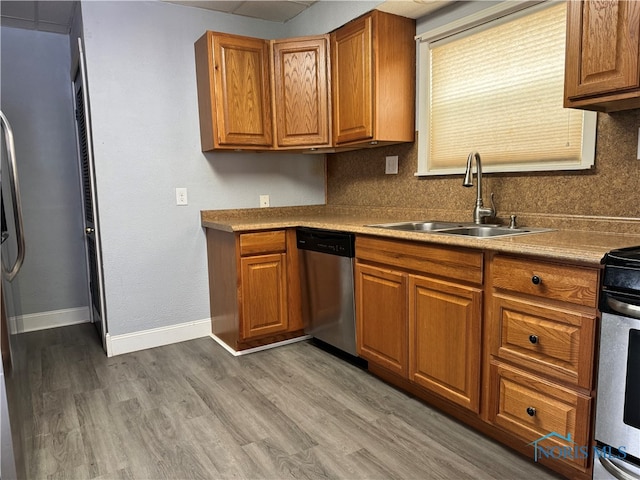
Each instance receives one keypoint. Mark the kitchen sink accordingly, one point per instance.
(428, 226)
(490, 231)
(460, 229)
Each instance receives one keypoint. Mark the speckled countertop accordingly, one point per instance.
(584, 245)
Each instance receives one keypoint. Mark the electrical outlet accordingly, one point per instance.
(264, 201)
(181, 196)
(391, 166)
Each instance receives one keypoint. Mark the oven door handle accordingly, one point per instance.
(623, 307)
(616, 471)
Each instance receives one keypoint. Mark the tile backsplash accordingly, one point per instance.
(610, 189)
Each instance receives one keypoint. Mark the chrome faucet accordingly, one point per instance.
(479, 211)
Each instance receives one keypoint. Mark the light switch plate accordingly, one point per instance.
(181, 196)
(391, 166)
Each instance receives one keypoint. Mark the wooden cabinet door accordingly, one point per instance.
(445, 339)
(242, 91)
(352, 70)
(602, 47)
(381, 317)
(301, 76)
(263, 295)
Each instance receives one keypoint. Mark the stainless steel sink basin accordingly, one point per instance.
(428, 226)
(485, 231)
(460, 229)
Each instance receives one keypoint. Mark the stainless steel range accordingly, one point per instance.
(618, 401)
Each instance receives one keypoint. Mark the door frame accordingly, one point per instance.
(97, 316)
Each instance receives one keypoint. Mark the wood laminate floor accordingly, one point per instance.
(192, 411)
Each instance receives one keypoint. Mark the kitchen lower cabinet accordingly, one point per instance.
(541, 326)
(253, 287)
(532, 407)
(264, 294)
(381, 317)
(445, 338)
(419, 312)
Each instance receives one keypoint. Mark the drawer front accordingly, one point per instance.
(263, 242)
(552, 341)
(531, 408)
(450, 263)
(568, 283)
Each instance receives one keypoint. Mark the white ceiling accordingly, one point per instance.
(44, 16)
(56, 16)
(272, 10)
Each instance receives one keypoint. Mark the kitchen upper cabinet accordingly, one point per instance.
(253, 287)
(602, 58)
(352, 89)
(234, 92)
(373, 80)
(301, 94)
(263, 95)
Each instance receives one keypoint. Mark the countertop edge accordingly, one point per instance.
(584, 247)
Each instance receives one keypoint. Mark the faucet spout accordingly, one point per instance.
(479, 211)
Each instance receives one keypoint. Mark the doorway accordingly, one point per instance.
(89, 204)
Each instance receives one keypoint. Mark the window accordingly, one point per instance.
(497, 87)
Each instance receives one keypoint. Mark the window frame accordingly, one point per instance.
(502, 12)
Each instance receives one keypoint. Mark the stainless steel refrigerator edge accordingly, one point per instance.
(13, 372)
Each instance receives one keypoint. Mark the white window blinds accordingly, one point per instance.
(498, 89)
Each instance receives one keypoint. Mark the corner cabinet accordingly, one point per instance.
(253, 287)
(373, 80)
(263, 95)
(602, 59)
(351, 89)
(301, 92)
(418, 312)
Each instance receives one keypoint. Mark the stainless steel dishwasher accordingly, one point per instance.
(326, 278)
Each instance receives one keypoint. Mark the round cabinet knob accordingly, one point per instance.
(536, 280)
(531, 411)
(533, 339)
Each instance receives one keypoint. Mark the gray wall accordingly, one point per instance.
(145, 125)
(36, 97)
(325, 16)
(141, 81)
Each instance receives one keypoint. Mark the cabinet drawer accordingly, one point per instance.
(449, 263)
(531, 408)
(549, 340)
(263, 242)
(567, 283)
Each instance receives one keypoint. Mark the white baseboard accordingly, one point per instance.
(52, 319)
(237, 353)
(157, 337)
